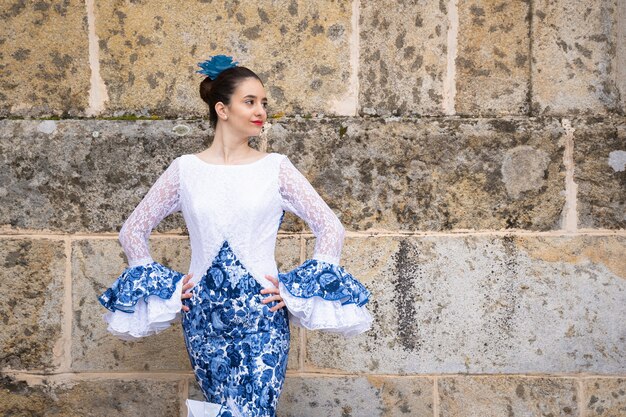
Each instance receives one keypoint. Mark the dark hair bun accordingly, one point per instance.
(205, 89)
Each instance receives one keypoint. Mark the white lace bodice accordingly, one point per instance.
(242, 204)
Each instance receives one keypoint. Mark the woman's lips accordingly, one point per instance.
(258, 123)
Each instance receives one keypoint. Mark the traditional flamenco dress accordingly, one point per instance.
(237, 347)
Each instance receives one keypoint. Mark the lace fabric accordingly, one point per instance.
(300, 198)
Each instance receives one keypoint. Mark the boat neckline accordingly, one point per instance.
(231, 165)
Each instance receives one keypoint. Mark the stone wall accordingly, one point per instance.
(475, 152)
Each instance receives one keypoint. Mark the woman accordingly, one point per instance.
(233, 299)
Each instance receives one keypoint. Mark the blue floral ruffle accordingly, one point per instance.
(140, 282)
(325, 280)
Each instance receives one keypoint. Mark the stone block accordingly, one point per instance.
(95, 265)
(600, 172)
(45, 59)
(149, 52)
(94, 398)
(492, 60)
(370, 396)
(31, 313)
(402, 57)
(604, 397)
(573, 54)
(507, 396)
(425, 174)
(86, 175)
(483, 304)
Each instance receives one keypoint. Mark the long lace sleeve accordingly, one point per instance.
(319, 293)
(300, 198)
(161, 200)
(145, 298)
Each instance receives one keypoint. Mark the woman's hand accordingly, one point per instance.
(275, 291)
(186, 286)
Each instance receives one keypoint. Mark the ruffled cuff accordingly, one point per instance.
(323, 296)
(143, 300)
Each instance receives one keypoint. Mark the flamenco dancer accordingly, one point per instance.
(235, 304)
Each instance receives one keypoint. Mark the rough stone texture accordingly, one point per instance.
(402, 60)
(507, 396)
(74, 175)
(492, 63)
(600, 172)
(604, 397)
(345, 396)
(484, 304)
(90, 398)
(149, 52)
(573, 55)
(31, 284)
(620, 53)
(95, 265)
(45, 58)
(425, 174)
(396, 174)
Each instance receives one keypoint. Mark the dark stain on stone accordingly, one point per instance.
(302, 25)
(263, 15)
(407, 263)
(143, 41)
(335, 31)
(477, 11)
(61, 62)
(277, 93)
(562, 44)
(41, 6)
(283, 30)
(19, 256)
(240, 18)
(442, 7)
(121, 16)
(408, 52)
(132, 57)
(540, 14)
(316, 84)
(317, 29)
(502, 66)
(419, 21)
(16, 8)
(293, 8)
(519, 391)
(158, 25)
(400, 40)
(253, 32)
(21, 54)
(586, 52)
(323, 70)
(498, 52)
(520, 60)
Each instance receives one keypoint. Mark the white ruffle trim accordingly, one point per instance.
(315, 313)
(149, 317)
(205, 409)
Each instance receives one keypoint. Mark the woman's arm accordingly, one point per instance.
(300, 198)
(161, 200)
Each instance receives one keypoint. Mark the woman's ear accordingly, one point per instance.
(221, 110)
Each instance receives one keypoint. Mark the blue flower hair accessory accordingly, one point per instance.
(218, 63)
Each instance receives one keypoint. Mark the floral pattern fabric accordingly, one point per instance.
(328, 281)
(140, 282)
(237, 347)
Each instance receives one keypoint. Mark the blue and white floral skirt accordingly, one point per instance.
(237, 347)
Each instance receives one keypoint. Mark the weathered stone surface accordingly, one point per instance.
(95, 265)
(507, 396)
(90, 398)
(31, 284)
(484, 304)
(149, 52)
(604, 397)
(45, 58)
(88, 175)
(402, 60)
(396, 174)
(620, 53)
(425, 174)
(492, 62)
(356, 396)
(600, 172)
(573, 54)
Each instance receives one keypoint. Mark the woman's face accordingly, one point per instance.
(247, 109)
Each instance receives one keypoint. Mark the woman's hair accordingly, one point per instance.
(223, 87)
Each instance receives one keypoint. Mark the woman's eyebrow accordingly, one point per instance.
(253, 96)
